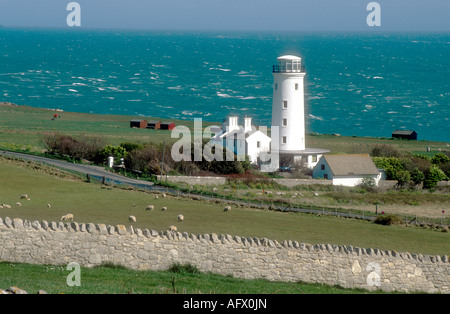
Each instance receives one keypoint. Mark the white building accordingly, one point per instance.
(288, 114)
(244, 141)
(346, 170)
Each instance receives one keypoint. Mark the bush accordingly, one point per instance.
(385, 151)
(117, 152)
(388, 220)
(178, 268)
(81, 147)
(433, 176)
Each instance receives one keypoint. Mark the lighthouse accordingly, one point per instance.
(288, 109)
(288, 113)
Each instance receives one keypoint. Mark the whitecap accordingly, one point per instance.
(223, 95)
(315, 117)
(73, 90)
(220, 69)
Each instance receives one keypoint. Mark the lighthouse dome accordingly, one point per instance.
(288, 57)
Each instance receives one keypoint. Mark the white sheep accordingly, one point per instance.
(173, 228)
(164, 208)
(19, 204)
(180, 218)
(24, 196)
(227, 208)
(67, 217)
(132, 219)
(6, 206)
(49, 206)
(150, 207)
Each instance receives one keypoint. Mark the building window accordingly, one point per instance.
(284, 141)
(314, 158)
(284, 122)
(296, 86)
(322, 167)
(285, 104)
(258, 144)
(325, 176)
(276, 86)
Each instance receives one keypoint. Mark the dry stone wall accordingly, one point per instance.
(89, 245)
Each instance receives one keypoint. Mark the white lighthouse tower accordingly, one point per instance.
(288, 113)
(288, 109)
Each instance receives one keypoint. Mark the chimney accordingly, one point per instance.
(233, 124)
(248, 124)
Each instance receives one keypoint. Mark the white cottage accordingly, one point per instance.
(243, 140)
(346, 170)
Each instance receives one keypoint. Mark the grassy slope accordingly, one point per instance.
(106, 280)
(25, 126)
(90, 203)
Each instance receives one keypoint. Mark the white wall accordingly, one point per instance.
(253, 151)
(284, 89)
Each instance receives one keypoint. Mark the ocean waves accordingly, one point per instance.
(354, 84)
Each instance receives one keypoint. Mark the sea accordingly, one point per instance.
(357, 84)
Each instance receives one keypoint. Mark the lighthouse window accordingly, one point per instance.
(284, 122)
(285, 104)
(284, 140)
(296, 86)
(276, 86)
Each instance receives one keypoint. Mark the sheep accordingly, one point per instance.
(227, 208)
(173, 228)
(132, 219)
(150, 207)
(164, 208)
(49, 206)
(180, 218)
(19, 204)
(164, 195)
(67, 217)
(24, 196)
(6, 206)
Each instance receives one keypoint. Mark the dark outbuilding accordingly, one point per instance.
(405, 134)
(140, 124)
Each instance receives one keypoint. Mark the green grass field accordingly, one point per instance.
(92, 204)
(23, 127)
(112, 280)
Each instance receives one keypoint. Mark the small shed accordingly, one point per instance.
(154, 125)
(139, 124)
(405, 134)
(167, 126)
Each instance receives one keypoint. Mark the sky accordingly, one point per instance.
(231, 15)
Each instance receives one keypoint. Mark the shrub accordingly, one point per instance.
(388, 220)
(440, 158)
(178, 268)
(117, 152)
(81, 147)
(417, 176)
(385, 151)
(433, 176)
